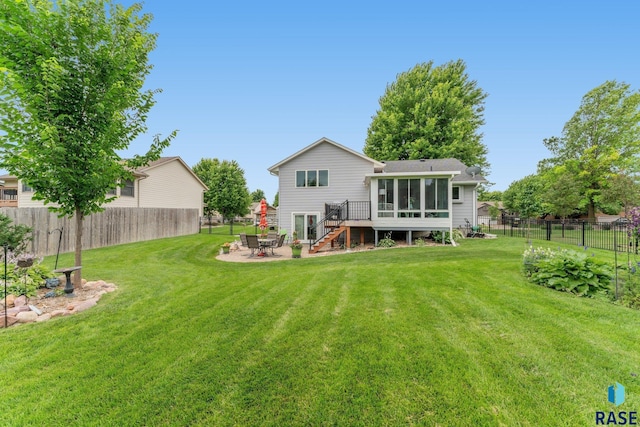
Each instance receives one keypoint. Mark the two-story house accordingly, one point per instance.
(327, 189)
(165, 183)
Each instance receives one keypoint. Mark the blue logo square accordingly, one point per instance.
(616, 394)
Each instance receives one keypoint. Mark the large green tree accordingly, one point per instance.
(524, 197)
(71, 97)
(561, 192)
(489, 196)
(228, 194)
(601, 140)
(622, 191)
(257, 195)
(430, 112)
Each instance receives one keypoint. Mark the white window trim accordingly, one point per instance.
(460, 198)
(317, 171)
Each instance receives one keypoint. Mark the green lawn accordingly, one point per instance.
(409, 336)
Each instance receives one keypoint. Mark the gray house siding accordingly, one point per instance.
(346, 182)
(466, 208)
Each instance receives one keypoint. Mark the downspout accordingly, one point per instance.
(474, 205)
(277, 207)
(453, 242)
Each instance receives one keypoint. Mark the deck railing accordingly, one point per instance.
(336, 214)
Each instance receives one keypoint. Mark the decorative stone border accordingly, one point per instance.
(40, 309)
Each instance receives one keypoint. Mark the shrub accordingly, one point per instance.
(14, 236)
(567, 270)
(387, 242)
(630, 288)
(437, 236)
(24, 281)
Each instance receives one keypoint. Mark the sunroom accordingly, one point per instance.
(412, 202)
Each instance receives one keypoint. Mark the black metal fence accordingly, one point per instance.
(601, 235)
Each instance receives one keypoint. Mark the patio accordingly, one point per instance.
(243, 254)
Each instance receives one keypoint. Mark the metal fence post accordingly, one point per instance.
(584, 227)
(548, 229)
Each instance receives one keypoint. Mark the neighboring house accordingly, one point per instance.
(484, 208)
(254, 215)
(165, 183)
(484, 212)
(327, 189)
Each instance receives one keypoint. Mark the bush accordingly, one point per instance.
(567, 270)
(14, 236)
(420, 242)
(387, 242)
(630, 288)
(24, 281)
(437, 236)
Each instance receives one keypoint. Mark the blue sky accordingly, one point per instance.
(256, 81)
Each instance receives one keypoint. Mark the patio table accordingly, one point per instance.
(264, 244)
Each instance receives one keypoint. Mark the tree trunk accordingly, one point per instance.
(591, 210)
(77, 275)
(231, 226)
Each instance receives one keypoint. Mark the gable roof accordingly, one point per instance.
(141, 172)
(164, 160)
(275, 169)
(434, 165)
(496, 204)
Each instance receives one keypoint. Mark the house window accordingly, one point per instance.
(436, 191)
(409, 198)
(457, 194)
(312, 178)
(127, 189)
(112, 192)
(323, 178)
(26, 188)
(385, 198)
(301, 178)
(9, 194)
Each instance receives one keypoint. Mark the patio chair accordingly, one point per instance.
(278, 244)
(243, 239)
(252, 243)
(272, 235)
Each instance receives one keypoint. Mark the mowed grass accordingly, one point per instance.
(409, 336)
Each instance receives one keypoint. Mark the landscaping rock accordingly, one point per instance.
(85, 305)
(10, 301)
(15, 310)
(11, 320)
(52, 283)
(44, 317)
(35, 309)
(47, 304)
(26, 316)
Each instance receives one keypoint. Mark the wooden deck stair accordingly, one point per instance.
(333, 235)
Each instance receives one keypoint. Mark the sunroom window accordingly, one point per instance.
(385, 198)
(409, 198)
(436, 193)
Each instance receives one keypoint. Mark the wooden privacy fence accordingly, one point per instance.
(114, 226)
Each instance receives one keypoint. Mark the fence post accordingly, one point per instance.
(583, 231)
(548, 229)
